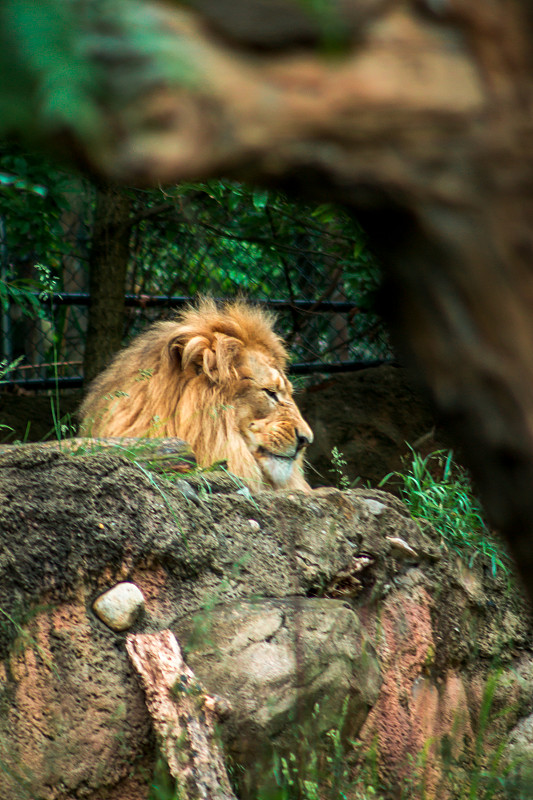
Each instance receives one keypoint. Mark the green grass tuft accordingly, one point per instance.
(448, 503)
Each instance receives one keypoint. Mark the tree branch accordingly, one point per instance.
(183, 715)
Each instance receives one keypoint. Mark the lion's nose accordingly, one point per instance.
(302, 441)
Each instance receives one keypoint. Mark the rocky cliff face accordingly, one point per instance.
(308, 614)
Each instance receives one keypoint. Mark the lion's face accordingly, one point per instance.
(269, 421)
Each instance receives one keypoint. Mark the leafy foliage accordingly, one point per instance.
(226, 238)
(245, 236)
(338, 465)
(34, 196)
(59, 59)
(44, 68)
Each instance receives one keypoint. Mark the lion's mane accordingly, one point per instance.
(180, 379)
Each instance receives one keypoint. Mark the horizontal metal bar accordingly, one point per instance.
(43, 383)
(151, 301)
(309, 367)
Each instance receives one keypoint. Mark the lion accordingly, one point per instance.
(215, 377)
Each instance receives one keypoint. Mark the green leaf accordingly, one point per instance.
(260, 199)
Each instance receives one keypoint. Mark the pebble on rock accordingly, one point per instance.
(120, 606)
(374, 506)
(401, 549)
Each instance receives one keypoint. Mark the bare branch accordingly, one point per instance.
(183, 715)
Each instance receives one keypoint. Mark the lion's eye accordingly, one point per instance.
(270, 393)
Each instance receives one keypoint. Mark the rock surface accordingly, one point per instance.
(369, 416)
(310, 620)
(279, 661)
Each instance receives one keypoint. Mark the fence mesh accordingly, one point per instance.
(313, 282)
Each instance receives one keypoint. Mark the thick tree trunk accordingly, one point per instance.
(108, 263)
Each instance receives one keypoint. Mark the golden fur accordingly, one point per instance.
(216, 378)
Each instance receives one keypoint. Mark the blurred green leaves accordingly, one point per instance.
(65, 63)
(33, 197)
(45, 78)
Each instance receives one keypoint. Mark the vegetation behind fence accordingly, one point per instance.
(58, 233)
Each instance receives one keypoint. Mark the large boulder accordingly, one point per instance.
(282, 664)
(332, 612)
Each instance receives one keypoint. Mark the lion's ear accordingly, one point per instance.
(188, 351)
(215, 358)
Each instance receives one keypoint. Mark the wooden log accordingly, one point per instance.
(183, 716)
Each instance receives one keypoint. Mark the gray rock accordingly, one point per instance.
(186, 489)
(259, 616)
(400, 548)
(519, 757)
(305, 661)
(374, 506)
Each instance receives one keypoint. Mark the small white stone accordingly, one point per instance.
(254, 525)
(120, 606)
(186, 489)
(374, 506)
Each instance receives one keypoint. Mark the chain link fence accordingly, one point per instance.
(311, 284)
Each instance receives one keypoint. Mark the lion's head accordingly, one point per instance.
(216, 378)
